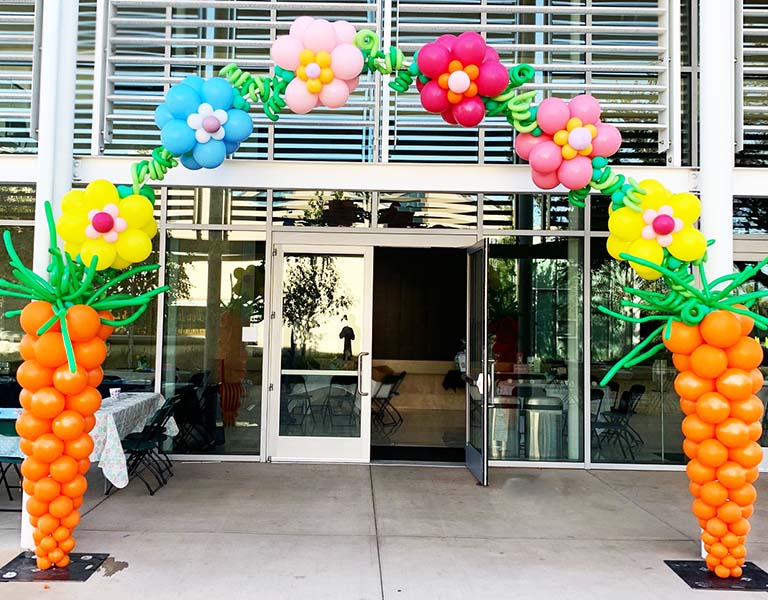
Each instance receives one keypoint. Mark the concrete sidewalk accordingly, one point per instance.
(341, 532)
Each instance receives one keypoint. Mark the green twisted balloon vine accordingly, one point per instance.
(71, 282)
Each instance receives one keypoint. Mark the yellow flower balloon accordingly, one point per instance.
(96, 222)
(664, 221)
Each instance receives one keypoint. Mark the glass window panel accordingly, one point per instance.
(530, 211)
(216, 206)
(750, 215)
(755, 84)
(535, 324)
(322, 208)
(429, 210)
(635, 418)
(10, 330)
(17, 203)
(214, 338)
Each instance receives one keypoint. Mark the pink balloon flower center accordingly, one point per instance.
(458, 82)
(579, 138)
(663, 225)
(313, 70)
(211, 124)
(103, 222)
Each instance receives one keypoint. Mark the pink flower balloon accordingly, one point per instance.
(469, 112)
(285, 51)
(585, 107)
(552, 116)
(334, 94)
(346, 61)
(433, 60)
(492, 80)
(525, 142)
(298, 98)
(607, 142)
(546, 181)
(575, 173)
(469, 48)
(433, 98)
(320, 35)
(545, 157)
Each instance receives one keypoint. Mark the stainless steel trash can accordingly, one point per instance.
(543, 418)
(505, 431)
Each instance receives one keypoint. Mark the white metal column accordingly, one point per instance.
(716, 117)
(58, 62)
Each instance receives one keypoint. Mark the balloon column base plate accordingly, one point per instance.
(24, 568)
(698, 577)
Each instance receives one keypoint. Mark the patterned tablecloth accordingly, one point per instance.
(114, 420)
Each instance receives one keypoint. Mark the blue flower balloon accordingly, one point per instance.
(199, 122)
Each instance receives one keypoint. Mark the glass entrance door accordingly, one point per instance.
(477, 370)
(321, 377)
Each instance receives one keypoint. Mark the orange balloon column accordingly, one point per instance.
(58, 415)
(719, 376)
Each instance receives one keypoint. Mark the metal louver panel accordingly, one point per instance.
(150, 44)
(616, 50)
(752, 84)
(17, 49)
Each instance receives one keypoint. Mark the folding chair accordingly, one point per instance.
(193, 419)
(156, 429)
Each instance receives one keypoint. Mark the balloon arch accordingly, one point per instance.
(105, 230)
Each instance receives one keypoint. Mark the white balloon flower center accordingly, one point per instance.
(458, 82)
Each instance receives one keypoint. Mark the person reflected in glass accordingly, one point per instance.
(347, 334)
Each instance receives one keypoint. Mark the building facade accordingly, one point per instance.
(326, 279)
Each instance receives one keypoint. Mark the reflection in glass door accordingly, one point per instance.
(320, 387)
(476, 449)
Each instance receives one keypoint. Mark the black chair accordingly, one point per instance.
(339, 394)
(384, 415)
(295, 402)
(614, 426)
(196, 419)
(8, 428)
(157, 428)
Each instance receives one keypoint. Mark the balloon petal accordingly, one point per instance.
(334, 94)
(285, 52)
(181, 100)
(434, 99)
(607, 142)
(492, 80)
(688, 244)
(575, 173)
(238, 127)
(626, 224)
(686, 207)
(346, 61)
(345, 31)
(162, 115)
(586, 108)
(177, 137)
(298, 98)
(299, 26)
(648, 250)
(319, 35)
(219, 93)
(552, 115)
(211, 154)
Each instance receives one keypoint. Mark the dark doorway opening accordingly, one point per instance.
(419, 324)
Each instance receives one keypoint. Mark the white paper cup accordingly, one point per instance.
(114, 393)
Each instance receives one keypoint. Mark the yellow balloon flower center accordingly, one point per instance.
(315, 70)
(576, 138)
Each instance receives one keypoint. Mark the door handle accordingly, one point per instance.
(360, 374)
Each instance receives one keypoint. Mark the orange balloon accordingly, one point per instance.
(747, 511)
(712, 407)
(730, 540)
(33, 521)
(64, 469)
(748, 455)
(703, 510)
(756, 375)
(702, 523)
(90, 423)
(712, 562)
(729, 562)
(62, 506)
(720, 328)
(734, 384)
(62, 533)
(755, 430)
(47, 448)
(717, 527)
(95, 377)
(717, 549)
(682, 362)
(698, 473)
(56, 555)
(69, 544)
(683, 339)
(83, 322)
(747, 323)
(30, 427)
(745, 354)
(90, 354)
(35, 315)
(33, 469)
(68, 425)
(27, 347)
(696, 429)
(76, 487)
(25, 399)
(43, 563)
(47, 524)
(736, 572)
(745, 495)
(714, 493)
(712, 453)
(37, 536)
(690, 448)
(708, 362)
(752, 474)
(34, 376)
(733, 433)
(708, 538)
(71, 521)
(47, 402)
(64, 562)
(687, 406)
(730, 512)
(740, 527)
(36, 507)
(26, 446)
(694, 488)
(82, 447)
(86, 402)
(70, 383)
(106, 330)
(28, 486)
(691, 386)
(739, 551)
(748, 410)
(83, 465)
(77, 502)
(732, 475)
(49, 349)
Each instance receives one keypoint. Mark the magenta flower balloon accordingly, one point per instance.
(572, 136)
